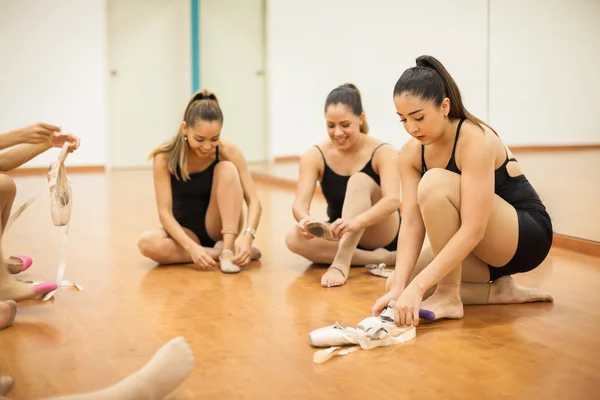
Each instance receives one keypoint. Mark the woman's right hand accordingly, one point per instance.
(201, 257)
(302, 227)
(40, 132)
(385, 300)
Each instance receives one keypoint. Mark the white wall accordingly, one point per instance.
(52, 69)
(544, 71)
(543, 64)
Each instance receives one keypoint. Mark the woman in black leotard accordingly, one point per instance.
(200, 182)
(359, 179)
(461, 186)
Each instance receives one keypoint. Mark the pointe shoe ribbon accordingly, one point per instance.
(371, 332)
(379, 270)
(61, 201)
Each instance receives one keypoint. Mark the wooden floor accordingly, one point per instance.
(249, 331)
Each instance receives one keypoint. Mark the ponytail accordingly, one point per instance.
(430, 81)
(348, 95)
(202, 106)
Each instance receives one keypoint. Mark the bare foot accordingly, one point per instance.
(444, 304)
(6, 384)
(18, 291)
(336, 275)
(505, 290)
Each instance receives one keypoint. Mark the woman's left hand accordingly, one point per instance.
(58, 139)
(406, 309)
(342, 226)
(243, 253)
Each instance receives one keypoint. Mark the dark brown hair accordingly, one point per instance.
(348, 95)
(430, 81)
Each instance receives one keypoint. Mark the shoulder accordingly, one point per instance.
(410, 154)
(313, 156)
(160, 160)
(230, 152)
(474, 138)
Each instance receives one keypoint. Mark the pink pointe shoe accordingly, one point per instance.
(60, 189)
(15, 268)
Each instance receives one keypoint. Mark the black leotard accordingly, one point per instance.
(191, 199)
(535, 225)
(334, 187)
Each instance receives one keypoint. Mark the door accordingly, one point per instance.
(149, 75)
(232, 65)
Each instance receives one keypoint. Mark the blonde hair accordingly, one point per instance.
(348, 95)
(202, 106)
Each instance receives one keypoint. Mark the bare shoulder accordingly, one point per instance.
(312, 157)
(160, 160)
(409, 155)
(229, 151)
(475, 138)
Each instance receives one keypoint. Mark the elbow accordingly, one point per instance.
(474, 235)
(393, 201)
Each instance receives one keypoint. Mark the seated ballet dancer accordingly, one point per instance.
(359, 179)
(461, 186)
(200, 183)
(27, 143)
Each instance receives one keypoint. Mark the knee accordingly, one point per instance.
(8, 188)
(359, 183)
(432, 187)
(227, 171)
(147, 244)
(293, 241)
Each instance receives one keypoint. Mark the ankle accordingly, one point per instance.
(449, 290)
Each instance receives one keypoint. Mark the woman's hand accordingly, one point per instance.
(387, 299)
(38, 133)
(342, 226)
(58, 139)
(406, 309)
(201, 257)
(243, 254)
(302, 227)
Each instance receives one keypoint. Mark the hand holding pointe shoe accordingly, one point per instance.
(40, 132)
(302, 227)
(406, 309)
(243, 254)
(342, 226)
(201, 257)
(388, 299)
(58, 139)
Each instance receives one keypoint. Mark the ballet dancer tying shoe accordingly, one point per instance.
(23, 145)
(166, 371)
(461, 186)
(359, 179)
(200, 183)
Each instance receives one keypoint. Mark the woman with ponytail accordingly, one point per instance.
(461, 186)
(200, 183)
(359, 179)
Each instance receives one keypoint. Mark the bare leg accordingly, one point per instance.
(8, 191)
(439, 200)
(321, 251)
(502, 291)
(361, 193)
(157, 245)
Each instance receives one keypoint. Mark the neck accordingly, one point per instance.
(447, 138)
